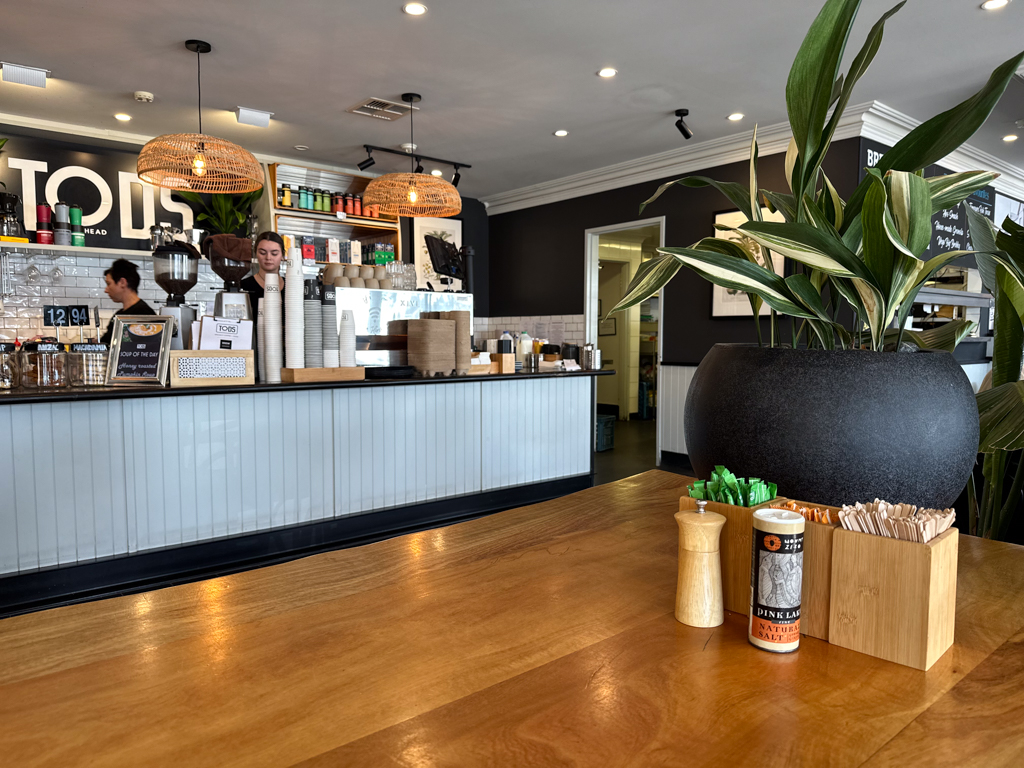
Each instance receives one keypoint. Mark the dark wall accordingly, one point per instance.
(475, 233)
(537, 254)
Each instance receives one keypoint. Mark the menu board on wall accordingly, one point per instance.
(117, 207)
(949, 227)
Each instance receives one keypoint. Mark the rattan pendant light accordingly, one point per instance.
(412, 194)
(197, 162)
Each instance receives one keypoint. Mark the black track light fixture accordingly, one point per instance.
(456, 177)
(681, 123)
(419, 166)
(369, 161)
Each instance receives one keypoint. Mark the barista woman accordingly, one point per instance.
(269, 254)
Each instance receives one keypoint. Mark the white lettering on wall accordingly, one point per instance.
(171, 206)
(873, 158)
(29, 169)
(69, 171)
(124, 194)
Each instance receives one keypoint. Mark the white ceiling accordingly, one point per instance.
(497, 78)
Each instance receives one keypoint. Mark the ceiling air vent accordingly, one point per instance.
(382, 109)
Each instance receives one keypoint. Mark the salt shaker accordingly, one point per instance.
(699, 586)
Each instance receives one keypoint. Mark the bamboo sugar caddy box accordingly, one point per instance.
(886, 597)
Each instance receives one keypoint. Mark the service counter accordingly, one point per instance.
(114, 488)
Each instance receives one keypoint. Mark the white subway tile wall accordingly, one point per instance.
(544, 326)
(79, 280)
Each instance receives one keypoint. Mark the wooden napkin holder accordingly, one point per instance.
(894, 599)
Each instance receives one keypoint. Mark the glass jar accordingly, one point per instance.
(9, 365)
(43, 364)
(87, 365)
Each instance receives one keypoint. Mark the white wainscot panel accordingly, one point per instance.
(535, 430)
(62, 494)
(404, 445)
(675, 383)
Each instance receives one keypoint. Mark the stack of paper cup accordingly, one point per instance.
(261, 332)
(313, 332)
(294, 317)
(329, 318)
(273, 343)
(347, 338)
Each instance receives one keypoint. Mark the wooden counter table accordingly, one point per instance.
(539, 636)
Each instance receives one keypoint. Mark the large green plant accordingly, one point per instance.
(1001, 409)
(866, 252)
(223, 214)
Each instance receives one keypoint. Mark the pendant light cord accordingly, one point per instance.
(412, 140)
(199, 77)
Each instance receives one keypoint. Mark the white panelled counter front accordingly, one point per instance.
(93, 475)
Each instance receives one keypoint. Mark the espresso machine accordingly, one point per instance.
(176, 270)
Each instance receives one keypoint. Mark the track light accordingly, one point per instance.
(367, 162)
(419, 166)
(456, 177)
(681, 124)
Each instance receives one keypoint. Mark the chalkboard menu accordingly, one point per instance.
(949, 227)
(139, 350)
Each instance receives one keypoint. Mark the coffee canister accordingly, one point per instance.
(776, 580)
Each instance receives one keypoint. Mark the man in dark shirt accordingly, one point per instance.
(123, 287)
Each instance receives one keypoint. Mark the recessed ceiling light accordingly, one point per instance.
(122, 117)
(994, 5)
(436, 172)
(607, 72)
(736, 116)
(1011, 137)
(414, 9)
(301, 147)
(561, 133)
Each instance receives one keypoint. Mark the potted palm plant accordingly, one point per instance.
(854, 414)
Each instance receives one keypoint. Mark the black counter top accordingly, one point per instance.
(70, 394)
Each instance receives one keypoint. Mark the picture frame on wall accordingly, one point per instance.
(727, 302)
(607, 327)
(449, 230)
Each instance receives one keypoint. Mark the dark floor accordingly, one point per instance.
(634, 452)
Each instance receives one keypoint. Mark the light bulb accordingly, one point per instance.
(412, 195)
(198, 165)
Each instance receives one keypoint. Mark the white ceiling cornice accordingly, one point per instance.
(124, 137)
(872, 120)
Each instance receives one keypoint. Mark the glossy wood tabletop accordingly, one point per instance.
(539, 636)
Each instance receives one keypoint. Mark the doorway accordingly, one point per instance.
(629, 341)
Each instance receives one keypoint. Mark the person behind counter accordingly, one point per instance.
(123, 287)
(269, 254)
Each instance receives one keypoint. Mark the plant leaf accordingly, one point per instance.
(833, 203)
(652, 275)
(952, 189)
(945, 337)
(813, 76)
(784, 204)
(792, 160)
(737, 194)
(983, 238)
(1001, 417)
(910, 201)
(810, 246)
(742, 275)
(1008, 340)
(933, 140)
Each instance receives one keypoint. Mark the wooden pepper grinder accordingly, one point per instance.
(699, 588)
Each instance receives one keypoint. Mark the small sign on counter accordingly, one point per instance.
(139, 350)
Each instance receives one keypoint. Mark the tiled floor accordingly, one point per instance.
(634, 452)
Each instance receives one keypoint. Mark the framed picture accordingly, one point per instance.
(728, 302)
(140, 347)
(449, 230)
(607, 327)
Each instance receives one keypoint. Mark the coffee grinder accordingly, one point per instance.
(231, 303)
(176, 270)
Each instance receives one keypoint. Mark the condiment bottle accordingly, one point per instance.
(357, 206)
(286, 196)
(349, 204)
(699, 584)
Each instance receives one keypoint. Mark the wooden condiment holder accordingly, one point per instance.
(894, 599)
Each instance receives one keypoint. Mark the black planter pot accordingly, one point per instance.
(835, 427)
